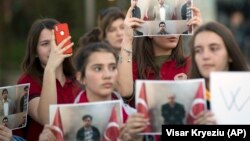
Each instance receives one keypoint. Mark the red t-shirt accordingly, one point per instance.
(65, 94)
(168, 71)
(84, 99)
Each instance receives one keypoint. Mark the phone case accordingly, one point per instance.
(61, 31)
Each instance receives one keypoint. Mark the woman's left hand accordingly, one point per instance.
(197, 18)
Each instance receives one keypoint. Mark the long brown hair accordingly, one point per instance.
(31, 64)
(143, 55)
(238, 63)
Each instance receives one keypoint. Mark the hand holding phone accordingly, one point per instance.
(61, 31)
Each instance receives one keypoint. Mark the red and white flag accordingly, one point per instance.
(142, 106)
(197, 106)
(57, 123)
(112, 130)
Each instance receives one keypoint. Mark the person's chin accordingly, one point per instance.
(106, 92)
(117, 46)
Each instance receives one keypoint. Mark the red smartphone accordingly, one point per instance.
(61, 31)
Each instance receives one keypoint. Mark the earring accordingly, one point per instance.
(230, 60)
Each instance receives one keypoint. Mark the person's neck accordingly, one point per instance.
(160, 51)
(86, 127)
(94, 97)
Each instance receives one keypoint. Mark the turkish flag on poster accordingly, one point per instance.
(112, 130)
(142, 105)
(197, 106)
(57, 123)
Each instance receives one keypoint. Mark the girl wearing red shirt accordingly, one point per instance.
(213, 48)
(50, 74)
(96, 65)
(151, 57)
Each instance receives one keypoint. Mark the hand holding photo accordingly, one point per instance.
(174, 14)
(104, 124)
(14, 105)
(169, 102)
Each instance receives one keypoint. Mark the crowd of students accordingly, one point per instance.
(107, 63)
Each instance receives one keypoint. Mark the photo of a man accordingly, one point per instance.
(6, 105)
(162, 27)
(136, 12)
(162, 11)
(88, 132)
(24, 99)
(172, 111)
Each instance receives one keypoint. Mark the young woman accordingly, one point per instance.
(96, 65)
(151, 57)
(213, 48)
(111, 21)
(50, 74)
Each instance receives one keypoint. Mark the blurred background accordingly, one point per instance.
(16, 17)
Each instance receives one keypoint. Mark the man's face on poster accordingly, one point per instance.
(87, 122)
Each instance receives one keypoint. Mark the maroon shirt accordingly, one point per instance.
(168, 71)
(65, 94)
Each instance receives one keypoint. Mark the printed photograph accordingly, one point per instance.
(14, 105)
(169, 102)
(163, 17)
(96, 121)
(230, 98)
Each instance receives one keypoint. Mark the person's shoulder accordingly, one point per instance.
(26, 78)
(179, 104)
(95, 128)
(164, 105)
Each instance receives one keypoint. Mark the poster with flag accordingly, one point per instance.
(169, 102)
(104, 118)
(142, 106)
(198, 104)
(57, 123)
(111, 132)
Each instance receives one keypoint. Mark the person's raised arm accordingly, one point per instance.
(39, 107)
(125, 74)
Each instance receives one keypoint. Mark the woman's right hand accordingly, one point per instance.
(47, 134)
(205, 118)
(130, 23)
(57, 56)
